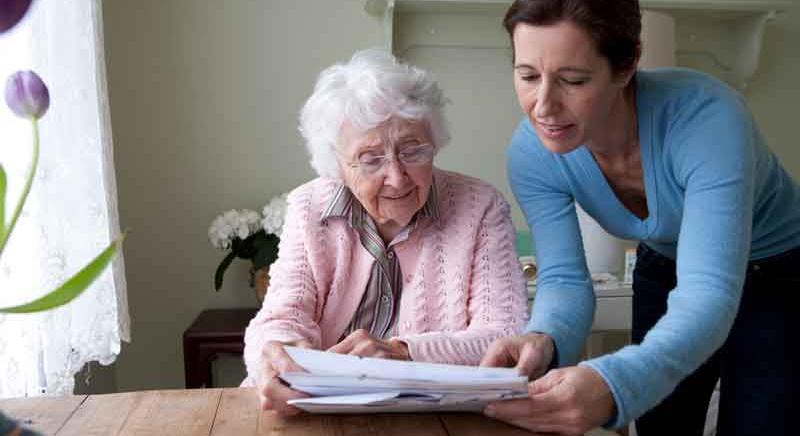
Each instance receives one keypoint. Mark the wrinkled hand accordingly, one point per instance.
(361, 343)
(531, 353)
(272, 392)
(568, 401)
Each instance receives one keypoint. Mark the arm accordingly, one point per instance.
(711, 148)
(496, 304)
(288, 314)
(564, 305)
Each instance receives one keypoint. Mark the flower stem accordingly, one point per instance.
(26, 189)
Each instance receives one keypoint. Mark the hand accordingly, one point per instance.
(272, 392)
(361, 343)
(531, 353)
(569, 401)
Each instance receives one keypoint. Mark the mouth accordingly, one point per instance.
(398, 196)
(555, 131)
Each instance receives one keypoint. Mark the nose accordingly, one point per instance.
(546, 100)
(395, 173)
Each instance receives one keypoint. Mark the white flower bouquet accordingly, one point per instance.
(248, 235)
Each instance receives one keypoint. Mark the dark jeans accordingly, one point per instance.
(756, 365)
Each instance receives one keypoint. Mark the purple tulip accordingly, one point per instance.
(27, 95)
(11, 12)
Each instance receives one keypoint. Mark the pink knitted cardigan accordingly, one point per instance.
(462, 282)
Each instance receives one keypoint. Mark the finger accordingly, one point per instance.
(509, 409)
(368, 348)
(498, 354)
(536, 420)
(343, 347)
(530, 361)
(541, 429)
(347, 344)
(517, 409)
(266, 404)
(546, 386)
(278, 394)
(279, 359)
(303, 344)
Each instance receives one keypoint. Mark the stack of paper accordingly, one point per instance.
(341, 383)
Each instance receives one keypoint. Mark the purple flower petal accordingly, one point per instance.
(27, 95)
(11, 12)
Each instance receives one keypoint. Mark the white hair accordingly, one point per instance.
(367, 91)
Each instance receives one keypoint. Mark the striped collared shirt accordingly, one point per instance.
(377, 310)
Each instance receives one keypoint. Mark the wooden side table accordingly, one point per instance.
(214, 331)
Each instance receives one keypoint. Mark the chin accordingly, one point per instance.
(559, 147)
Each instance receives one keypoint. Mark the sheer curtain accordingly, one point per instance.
(71, 212)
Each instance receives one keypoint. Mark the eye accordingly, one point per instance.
(410, 143)
(529, 77)
(370, 159)
(574, 82)
(419, 153)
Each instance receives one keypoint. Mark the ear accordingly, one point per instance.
(624, 77)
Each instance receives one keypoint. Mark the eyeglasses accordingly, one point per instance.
(371, 164)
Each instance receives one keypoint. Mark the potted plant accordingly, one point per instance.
(246, 234)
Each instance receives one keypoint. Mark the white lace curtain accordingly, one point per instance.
(71, 212)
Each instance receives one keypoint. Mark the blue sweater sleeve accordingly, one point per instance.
(710, 153)
(564, 304)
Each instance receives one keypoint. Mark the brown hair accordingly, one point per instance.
(614, 25)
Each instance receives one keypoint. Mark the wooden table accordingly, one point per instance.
(230, 411)
(213, 332)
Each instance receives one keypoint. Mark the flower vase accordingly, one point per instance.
(259, 281)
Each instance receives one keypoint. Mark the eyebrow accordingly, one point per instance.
(560, 70)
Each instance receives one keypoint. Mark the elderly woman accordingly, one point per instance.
(384, 255)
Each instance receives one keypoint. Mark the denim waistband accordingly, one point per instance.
(786, 260)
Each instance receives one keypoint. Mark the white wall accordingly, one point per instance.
(774, 92)
(204, 96)
(470, 55)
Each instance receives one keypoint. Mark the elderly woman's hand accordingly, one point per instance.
(569, 401)
(361, 343)
(272, 392)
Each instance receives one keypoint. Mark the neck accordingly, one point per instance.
(388, 231)
(621, 133)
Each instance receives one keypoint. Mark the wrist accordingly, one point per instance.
(400, 349)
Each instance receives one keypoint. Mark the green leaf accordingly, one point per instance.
(221, 269)
(3, 182)
(266, 251)
(74, 286)
(25, 189)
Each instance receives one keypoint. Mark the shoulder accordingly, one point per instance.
(701, 121)
(681, 93)
(460, 192)
(460, 184)
(313, 196)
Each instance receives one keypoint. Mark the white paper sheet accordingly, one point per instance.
(351, 384)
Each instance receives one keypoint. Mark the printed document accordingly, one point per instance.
(340, 383)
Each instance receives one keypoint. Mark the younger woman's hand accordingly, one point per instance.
(568, 401)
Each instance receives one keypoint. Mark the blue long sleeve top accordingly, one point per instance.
(717, 197)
